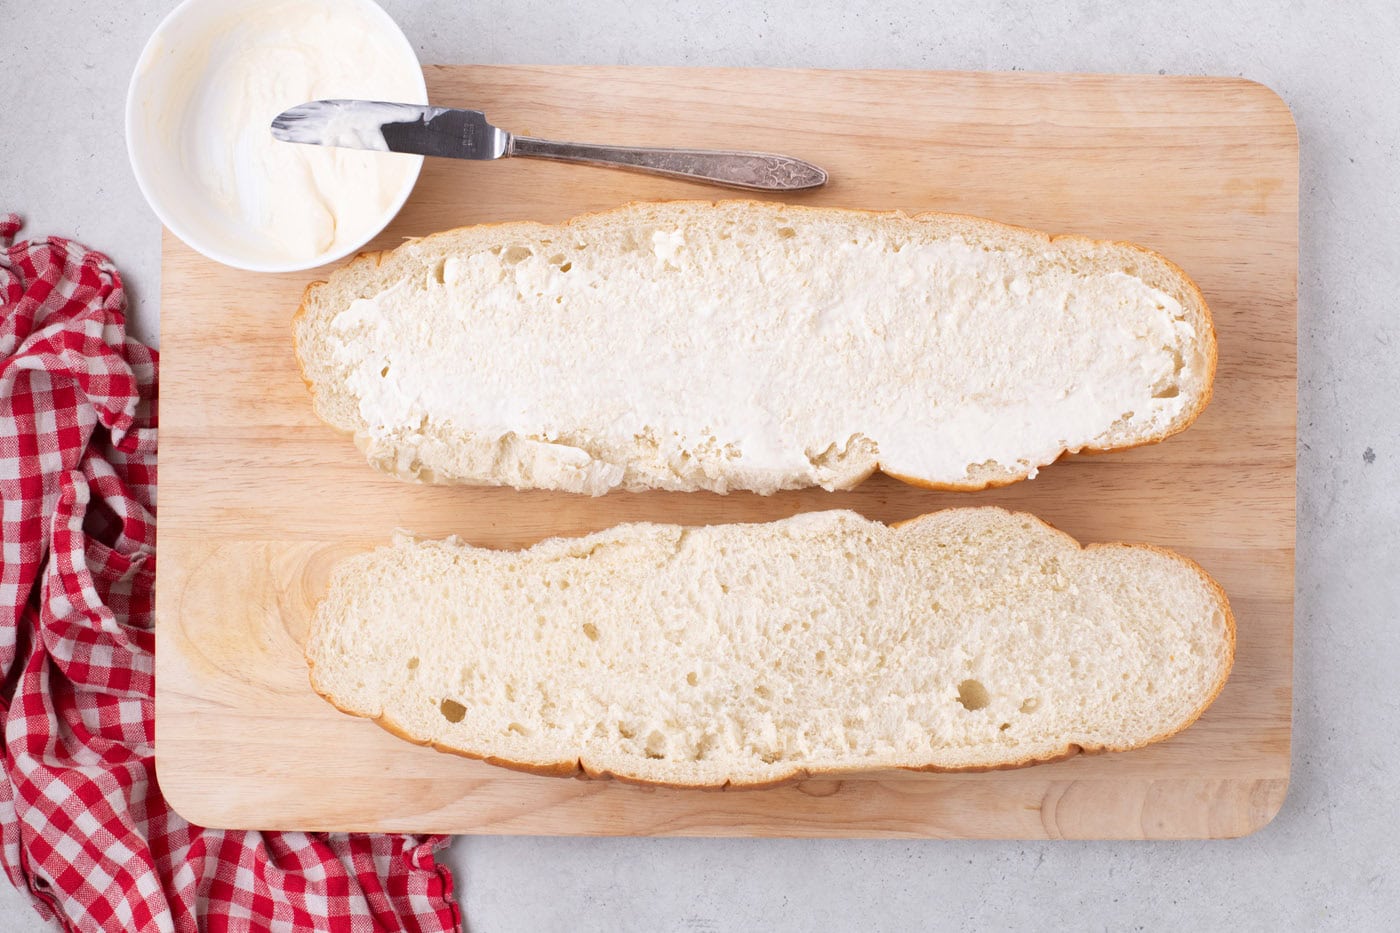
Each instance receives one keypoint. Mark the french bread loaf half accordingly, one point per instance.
(743, 345)
(749, 655)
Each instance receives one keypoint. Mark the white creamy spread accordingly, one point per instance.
(943, 354)
(354, 126)
(286, 201)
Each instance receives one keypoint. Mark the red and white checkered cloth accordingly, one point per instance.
(82, 822)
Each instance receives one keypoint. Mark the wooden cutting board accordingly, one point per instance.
(258, 499)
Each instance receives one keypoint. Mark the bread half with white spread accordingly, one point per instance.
(747, 655)
(743, 345)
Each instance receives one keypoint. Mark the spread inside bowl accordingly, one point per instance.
(207, 88)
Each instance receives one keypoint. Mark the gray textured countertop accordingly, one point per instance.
(1330, 858)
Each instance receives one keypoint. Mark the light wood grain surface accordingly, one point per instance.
(259, 498)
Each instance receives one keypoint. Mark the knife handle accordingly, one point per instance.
(759, 171)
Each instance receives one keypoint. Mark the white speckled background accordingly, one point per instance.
(1330, 859)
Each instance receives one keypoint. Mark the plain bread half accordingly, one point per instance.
(751, 654)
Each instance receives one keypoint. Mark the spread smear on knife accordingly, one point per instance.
(743, 345)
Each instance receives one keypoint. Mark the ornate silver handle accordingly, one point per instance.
(760, 171)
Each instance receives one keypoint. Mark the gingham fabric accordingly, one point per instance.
(82, 822)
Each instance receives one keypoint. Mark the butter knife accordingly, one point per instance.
(466, 134)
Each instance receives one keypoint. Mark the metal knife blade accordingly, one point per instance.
(390, 127)
(467, 134)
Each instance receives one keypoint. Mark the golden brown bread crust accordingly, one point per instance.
(1006, 479)
(579, 768)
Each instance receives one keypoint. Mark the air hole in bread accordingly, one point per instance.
(557, 260)
(566, 267)
(972, 695)
(656, 745)
(693, 679)
(439, 272)
(786, 233)
(384, 373)
(1030, 704)
(1004, 726)
(516, 254)
(591, 631)
(518, 729)
(1170, 391)
(412, 663)
(452, 711)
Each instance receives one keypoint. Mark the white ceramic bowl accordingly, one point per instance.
(169, 96)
